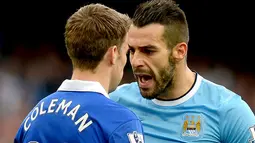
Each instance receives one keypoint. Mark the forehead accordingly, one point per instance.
(148, 35)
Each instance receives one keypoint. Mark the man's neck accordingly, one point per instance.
(182, 82)
(87, 75)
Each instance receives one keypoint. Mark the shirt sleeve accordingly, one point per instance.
(236, 120)
(129, 132)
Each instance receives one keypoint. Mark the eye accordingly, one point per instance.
(147, 51)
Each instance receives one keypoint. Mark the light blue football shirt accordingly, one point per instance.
(207, 113)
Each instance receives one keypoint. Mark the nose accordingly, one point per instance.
(136, 60)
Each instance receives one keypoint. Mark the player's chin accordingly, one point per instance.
(147, 93)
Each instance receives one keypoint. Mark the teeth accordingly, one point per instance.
(142, 79)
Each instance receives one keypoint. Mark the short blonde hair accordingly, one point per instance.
(90, 31)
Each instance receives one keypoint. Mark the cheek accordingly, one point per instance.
(123, 61)
(158, 65)
(163, 60)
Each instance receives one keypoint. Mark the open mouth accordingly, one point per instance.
(144, 80)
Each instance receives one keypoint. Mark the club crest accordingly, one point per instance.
(192, 126)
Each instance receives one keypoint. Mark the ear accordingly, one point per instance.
(113, 54)
(180, 51)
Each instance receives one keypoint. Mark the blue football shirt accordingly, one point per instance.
(207, 113)
(80, 112)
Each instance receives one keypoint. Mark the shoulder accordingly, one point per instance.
(125, 91)
(120, 111)
(114, 117)
(218, 93)
(225, 99)
(127, 87)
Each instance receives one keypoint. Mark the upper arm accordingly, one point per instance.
(236, 120)
(129, 132)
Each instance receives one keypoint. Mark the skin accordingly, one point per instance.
(165, 68)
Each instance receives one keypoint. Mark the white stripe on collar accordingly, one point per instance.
(80, 85)
(184, 98)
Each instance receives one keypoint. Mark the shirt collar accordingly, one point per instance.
(183, 99)
(80, 85)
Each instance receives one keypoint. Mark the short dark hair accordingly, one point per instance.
(167, 13)
(90, 31)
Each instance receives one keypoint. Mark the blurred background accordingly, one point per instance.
(33, 59)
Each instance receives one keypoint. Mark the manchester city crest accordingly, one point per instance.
(192, 127)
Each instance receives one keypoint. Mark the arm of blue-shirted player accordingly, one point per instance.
(128, 132)
(236, 118)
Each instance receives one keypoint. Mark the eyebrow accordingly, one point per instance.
(130, 46)
(146, 47)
